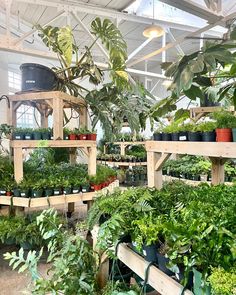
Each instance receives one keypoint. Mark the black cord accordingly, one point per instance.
(7, 99)
(147, 274)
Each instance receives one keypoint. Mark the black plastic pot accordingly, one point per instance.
(175, 136)
(57, 191)
(37, 193)
(25, 193)
(183, 136)
(67, 190)
(75, 189)
(37, 135)
(48, 192)
(194, 136)
(46, 135)
(85, 188)
(18, 136)
(209, 136)
(150, 253)
(37, 77)
(28, 136)
(166, 136)
(162, 262)
(157, 136)
(16, 192)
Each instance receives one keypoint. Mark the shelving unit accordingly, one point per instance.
(159, 151)
(55, 200)
(51, 103)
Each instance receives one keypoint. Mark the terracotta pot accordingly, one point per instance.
(223, 134)
(8, 194)
(82, 136)
(97, 187)
(72, 136)
(92, 136)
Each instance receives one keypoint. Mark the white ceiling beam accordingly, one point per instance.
(35, 30)
(111, 13)
(145, 73)
(154, 87)
(132, 54)
(178, 47)
(183, 39)
(91, 35)
(8, 17)
(195, 9)
(214, 5)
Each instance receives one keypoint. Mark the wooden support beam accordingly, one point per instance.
(161, 282)
(217, 170)
(154, 177)
(161, 161)
(18, 164)
(83, 118)
(92, 160)
(57, 118)
(122, 149)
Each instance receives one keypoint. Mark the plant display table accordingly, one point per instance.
(161, 282)
(49, 103)
(159, 151)
(55, 200)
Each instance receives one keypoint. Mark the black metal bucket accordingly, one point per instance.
(36, 77)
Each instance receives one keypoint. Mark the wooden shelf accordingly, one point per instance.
(24, 144)
(210, 149)
(159, 151)
(162, 283)
(122, 163)
(56, 200)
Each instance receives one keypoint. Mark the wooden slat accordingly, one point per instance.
(18, 164)
(5, 200)
(211, 149)
(154, 177)
(217, 170)
(52, 143)
(122, 163)
(47, 96)
(157, 279)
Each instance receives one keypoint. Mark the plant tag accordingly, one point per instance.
(75, 191)
(27, 137)
(56, 192)
(84, 190)
(17, 137)
(144, 253)
(51, 137)
(182, 138)
(22, 194)
(2, 192)
(66, 137)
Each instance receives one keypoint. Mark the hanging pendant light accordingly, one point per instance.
(153, 31)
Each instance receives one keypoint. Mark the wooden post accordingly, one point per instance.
(18, 164)
(71, 206)
(83, 117)
(154, 177)
(57, 118)
(92, 158)
(122, 149)
(44, 119)
(217, 170)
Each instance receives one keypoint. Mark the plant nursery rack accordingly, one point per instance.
(123, 145)
(160, 151)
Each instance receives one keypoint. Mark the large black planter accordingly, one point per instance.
(166, 136)
(194, 136)
(209, 136)
(175, 136)
(183, 136)
(157, 136)
(37, 77)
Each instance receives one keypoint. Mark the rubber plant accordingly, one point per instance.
(209, 72)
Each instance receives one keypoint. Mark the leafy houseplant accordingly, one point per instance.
(208, 130)
(224, 125)
(223, 282)
(18, 133)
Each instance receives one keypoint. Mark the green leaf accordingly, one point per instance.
(194, 92)
(197, 66)
(182, 113)
(65, 41)
(186, 78)
(233, 34)
(234, 98)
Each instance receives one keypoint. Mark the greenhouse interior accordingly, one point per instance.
(118, 147)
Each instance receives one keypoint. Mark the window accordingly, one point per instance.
(25, 115)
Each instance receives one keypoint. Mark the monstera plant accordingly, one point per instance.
(209, 72)
(113, 101)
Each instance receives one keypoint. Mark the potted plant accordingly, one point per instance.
(166, 133)
(5, 130)
(28, 133)
(83, 133)
(95, 183)
(76, 185)
(73, 135)
(208, 130)
(48, 185)
(37, 188)
(46, 133)
(91, 135)
(24, 187)
(233, 126)
(9, 187)
(193, 133)
(37, 134)
(157, 135)
(85, 186)
(66, 186)
(18, 133)
(66, 133)
(224, 123)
